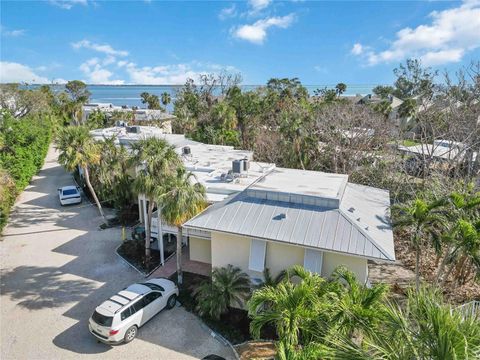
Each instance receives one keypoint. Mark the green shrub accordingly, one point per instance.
(23, 148)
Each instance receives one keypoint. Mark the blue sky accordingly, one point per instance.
(161, 42)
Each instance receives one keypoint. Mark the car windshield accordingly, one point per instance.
(102, 319)
(154, 286)
(69, 192)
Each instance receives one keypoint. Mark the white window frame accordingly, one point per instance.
(258, 249)
(313, 260)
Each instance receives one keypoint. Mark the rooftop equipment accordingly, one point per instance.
(186, 150)
(237, 166)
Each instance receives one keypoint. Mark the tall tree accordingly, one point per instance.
(79, 95)
(152, 101)
(156, 161)
(422, 218)
(183, 199)
(79, 150)
(166, 98)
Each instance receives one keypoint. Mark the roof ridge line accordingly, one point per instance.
(368, 236)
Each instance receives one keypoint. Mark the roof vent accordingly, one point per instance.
(352, 209)
(186, 150)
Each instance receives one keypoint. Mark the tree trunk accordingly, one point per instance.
(179, 256)
(442, 265)
(90, 187)
(148, 229)
(417, 267)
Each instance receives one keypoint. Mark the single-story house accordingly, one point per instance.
(295, 217)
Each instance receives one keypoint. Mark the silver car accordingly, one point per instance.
(119, 318)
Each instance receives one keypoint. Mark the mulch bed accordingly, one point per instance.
(234, 325)
(134, 252)
(256, 350)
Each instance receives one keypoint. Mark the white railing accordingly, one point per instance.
(471, 308)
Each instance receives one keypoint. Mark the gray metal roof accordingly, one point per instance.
(295, 223)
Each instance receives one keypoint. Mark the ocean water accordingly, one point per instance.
(129, 95)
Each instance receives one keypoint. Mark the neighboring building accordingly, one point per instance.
(440, 150)
(295, 217)
(133, 116)
(394, 102)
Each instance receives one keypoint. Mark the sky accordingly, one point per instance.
(163, 42)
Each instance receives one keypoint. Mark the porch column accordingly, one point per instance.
(160, 236)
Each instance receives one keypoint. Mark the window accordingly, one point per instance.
(138, 305)
(257, 255)
(147, 299)
(126, 313)
(102, 319)
(313, 261)
(70, 192)
(154, 286)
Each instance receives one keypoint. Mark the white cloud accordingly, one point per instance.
(68, 4)
(258, 5)
(257, 32)
(228, 12)
(11, 72)
(173, 74)
(12, 33)
(449, 36)
(357, 49)
(321, 69)
(105, 48)
(97, 74)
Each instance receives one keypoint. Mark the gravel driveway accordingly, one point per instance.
(56, 267)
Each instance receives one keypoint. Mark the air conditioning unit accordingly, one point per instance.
(186, 150)
(246, 165)
(133, 129)
(237, 166)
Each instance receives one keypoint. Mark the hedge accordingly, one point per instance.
(25, 143)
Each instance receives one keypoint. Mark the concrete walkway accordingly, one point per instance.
(57, 266)
(188, 265)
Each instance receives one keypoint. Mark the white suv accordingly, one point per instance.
(119, 318)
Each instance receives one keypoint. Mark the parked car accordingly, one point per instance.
(119, 318)
(69, 195)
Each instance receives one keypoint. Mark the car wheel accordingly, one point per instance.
(130, 334)
(172, 300)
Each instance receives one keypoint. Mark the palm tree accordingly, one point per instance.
(228, 285)
(156, 160)
(165, 98)
(290, 307)
(464, 205)
(79, 150)
(422, 218)
(425, 328)
(181, 201)
(359, 308)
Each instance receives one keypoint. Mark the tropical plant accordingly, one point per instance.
(423, 219)
(79, 150)
(78, 93)
(155, 161)
(183, 198)
(166, 98)
(152, 101)
(425, 328)
(228, 286)
(359, 308)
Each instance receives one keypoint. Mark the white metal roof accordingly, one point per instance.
(303, 208)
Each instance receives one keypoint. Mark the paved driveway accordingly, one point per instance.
(56, 267)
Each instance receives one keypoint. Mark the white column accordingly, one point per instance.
(160, 236)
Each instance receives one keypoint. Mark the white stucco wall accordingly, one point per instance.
(355, 264)
(200, 250)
